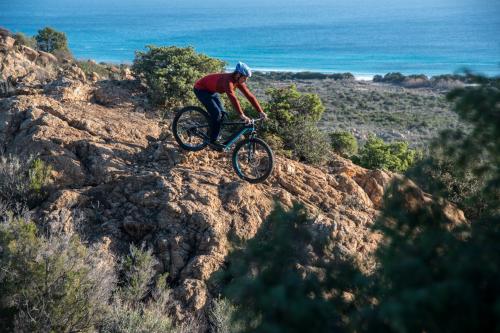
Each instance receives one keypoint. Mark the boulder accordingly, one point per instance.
(7, 43)
(29, 53)
(46, 58)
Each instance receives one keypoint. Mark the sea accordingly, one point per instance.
(364, 37)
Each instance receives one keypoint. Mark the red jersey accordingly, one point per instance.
(223, 83)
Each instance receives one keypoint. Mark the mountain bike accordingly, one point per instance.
(252, 158)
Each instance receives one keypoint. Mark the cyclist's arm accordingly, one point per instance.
(251, 98)
(234, 101)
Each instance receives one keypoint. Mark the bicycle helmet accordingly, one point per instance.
(243, 69)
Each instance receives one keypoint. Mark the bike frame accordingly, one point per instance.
(248, 129)
(233, 138)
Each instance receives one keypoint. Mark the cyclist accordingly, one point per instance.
(207, 90)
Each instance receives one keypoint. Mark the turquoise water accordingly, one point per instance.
(364, 37)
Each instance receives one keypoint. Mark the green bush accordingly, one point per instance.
(376, 154)
(343, 143)
(138, 271)
(39, 175)
(51, 40)
(293, 117)
(287, 105)
(221, 317)
(50, 283)
(307, 142)
(170, 73)
(140, 304)
(277, 144)
(23, 180)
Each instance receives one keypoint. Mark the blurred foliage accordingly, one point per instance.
(221, 317)
(438, 173)
(170, 73)
(272, 286)
(437, 275)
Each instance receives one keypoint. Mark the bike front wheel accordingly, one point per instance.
(253, 160)
(191, 128)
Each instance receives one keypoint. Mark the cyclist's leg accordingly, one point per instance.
(221, 107)
(212, 104)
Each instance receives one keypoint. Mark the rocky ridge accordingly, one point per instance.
(119, 169)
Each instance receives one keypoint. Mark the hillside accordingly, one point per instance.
(392, 112)
(117, 168)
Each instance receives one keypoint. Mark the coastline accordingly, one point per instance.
(358, 76)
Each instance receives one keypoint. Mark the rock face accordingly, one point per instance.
(125, 174)
(24, 71)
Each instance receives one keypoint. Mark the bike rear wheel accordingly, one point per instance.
(253, 160)
(191, 128)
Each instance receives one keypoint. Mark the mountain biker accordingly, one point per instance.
(207, 90)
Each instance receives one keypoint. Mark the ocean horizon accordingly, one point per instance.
(362, 37)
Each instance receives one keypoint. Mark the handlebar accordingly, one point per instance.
(252, 122)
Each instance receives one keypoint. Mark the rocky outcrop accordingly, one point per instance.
(25, 71)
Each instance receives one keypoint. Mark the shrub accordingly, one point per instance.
(150, 317)
(54, 283)
(39, 174)
(287, 105)
(23, 181)
(50, 283)
(343, 143)
(277, 144)
(293, 117)
(394, 77)
(170, 73)
(307, 142)
(376, 154)
(89, 67)
(140, 305)
(438, 173)
(138, 271)
(221, 317)
(22, 39)
(50, 40)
